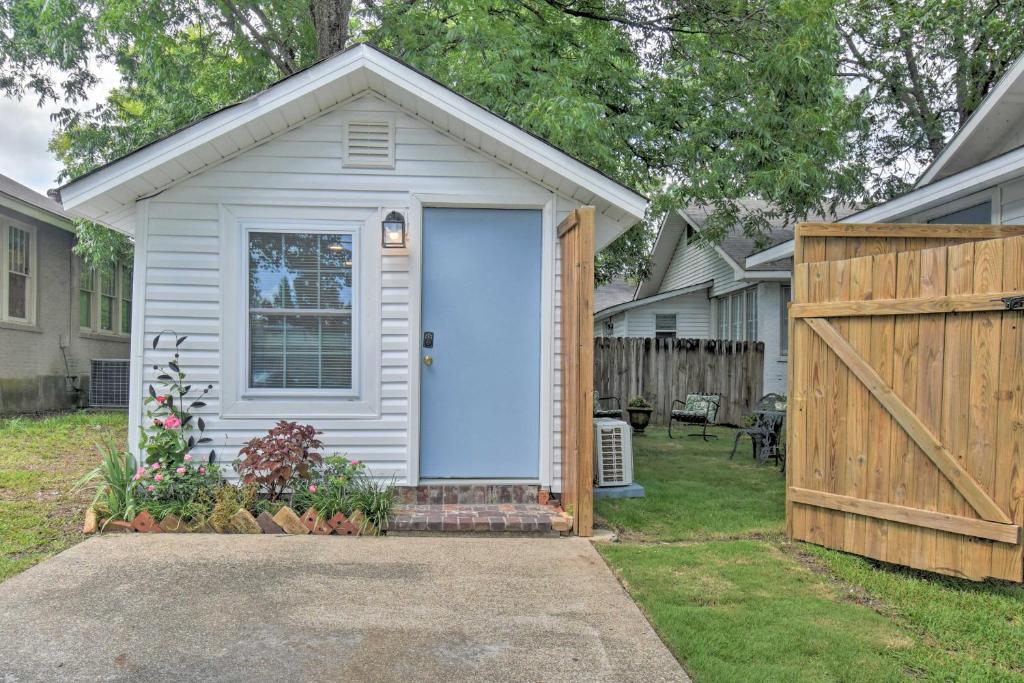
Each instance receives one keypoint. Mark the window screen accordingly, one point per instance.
(665, 325)
(18, 257)
(300, 310)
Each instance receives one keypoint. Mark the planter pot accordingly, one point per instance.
(639, 418)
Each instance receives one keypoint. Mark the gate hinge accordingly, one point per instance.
(1013, 303)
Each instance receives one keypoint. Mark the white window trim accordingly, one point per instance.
(94, 302)
(662, 330)
(730, 299)
(302, 228)
(33, 274)
(235, 401)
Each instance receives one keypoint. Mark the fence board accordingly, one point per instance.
(662, 370)
(906, 427)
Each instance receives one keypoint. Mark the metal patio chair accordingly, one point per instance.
(766, 434)
(699, 409)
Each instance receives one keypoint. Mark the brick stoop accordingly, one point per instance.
(502, 518)
(468, 494)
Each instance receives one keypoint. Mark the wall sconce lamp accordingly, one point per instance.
(393, 231)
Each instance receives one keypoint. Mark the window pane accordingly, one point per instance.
(17, 296)
(84, 309)
(18, 251)
(751, 315)
(308, 278)
(736, 302)
(126, 317)
(723, 318)
(107, 313)
(126, 283)
(107, 285)
(86, 277)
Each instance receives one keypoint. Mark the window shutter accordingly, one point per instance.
(369, 144)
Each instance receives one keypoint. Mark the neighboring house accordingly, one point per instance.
(978, 178)
(55, 316)
(268, 232)
(704, 292)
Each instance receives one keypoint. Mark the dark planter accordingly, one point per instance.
(639, 418)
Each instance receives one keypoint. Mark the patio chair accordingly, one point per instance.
(699, 409)
(766, 434)
(607, 412)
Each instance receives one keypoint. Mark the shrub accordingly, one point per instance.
(374, 499)
(639, 402)
(186, 490)
(114, 483)
(228, 500)
(286, 455)
(327, 489)
(168, 437)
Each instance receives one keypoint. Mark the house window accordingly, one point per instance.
(16, 252)
(737, 315)
(104, 299)
(785, 297)
(300, 315)
(125, 297)
(665, 326)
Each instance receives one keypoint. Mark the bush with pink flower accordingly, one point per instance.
(169, 433)
(188, 491)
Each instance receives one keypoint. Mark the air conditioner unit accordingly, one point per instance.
(613, 452)
(108, 383)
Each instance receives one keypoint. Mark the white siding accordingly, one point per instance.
(692, 265)
(769, 331)
(184, 259)
(692, 311)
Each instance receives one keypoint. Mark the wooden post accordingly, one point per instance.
(576, 237)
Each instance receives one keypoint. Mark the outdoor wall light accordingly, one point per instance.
(393, 231)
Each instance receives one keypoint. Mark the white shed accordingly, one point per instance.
(259, 233)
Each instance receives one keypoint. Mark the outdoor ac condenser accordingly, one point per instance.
(108, 383)
(613, 452)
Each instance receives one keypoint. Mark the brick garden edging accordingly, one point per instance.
(285, 521)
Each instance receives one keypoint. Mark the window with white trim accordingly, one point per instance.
(665, 325)
(17, 275)
(736, 315)
(105, 299)
(300, 310)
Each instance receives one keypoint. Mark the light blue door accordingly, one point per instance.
(480, 395)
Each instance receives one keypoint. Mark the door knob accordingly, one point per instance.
(428, 360)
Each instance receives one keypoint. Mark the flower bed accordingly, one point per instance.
(285, 484)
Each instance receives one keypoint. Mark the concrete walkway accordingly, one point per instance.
(165, 607)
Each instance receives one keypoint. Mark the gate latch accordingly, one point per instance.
(1013, 303)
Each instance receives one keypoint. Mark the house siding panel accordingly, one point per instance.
(693, 265)
(303, 168)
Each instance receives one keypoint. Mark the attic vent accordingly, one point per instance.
(370, 144)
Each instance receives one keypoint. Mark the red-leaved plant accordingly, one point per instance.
(287, 452)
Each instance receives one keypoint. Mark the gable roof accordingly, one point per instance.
(653, 298)
(986, 131)
(25, 200)
(108, 193)
(734, 248)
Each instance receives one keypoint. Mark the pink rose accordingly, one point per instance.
(312, 489)
(188, 457)
(355, 462)
(172, 422)
(137, 477)
(180, 470)
(158, 477)
(156, 466)
(202, 470)
(161, 399)
(140, 471)
(151, 488)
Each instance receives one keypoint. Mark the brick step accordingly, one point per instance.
(502, 518)
(468, 494)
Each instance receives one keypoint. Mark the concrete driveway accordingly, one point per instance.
(166, 607)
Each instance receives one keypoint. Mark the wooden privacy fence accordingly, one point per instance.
(662, 370)
(906, 415)
(576, 246)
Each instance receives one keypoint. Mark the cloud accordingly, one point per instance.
(25, 131)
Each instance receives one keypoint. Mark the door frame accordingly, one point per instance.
(545, 203)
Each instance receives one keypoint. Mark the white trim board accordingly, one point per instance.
(100, 193)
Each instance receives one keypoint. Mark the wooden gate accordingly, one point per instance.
(576, 244)
(906, 418)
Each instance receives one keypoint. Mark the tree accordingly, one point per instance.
(925, 67)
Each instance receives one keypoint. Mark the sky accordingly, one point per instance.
(26, 131)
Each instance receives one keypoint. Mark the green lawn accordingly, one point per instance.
(705, 557)
(40, 459)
